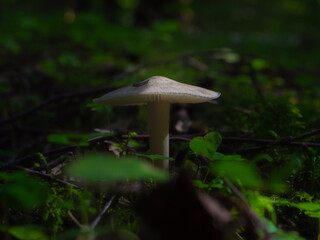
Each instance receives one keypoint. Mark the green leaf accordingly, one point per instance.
(206, 145)
(153, 156)
(259, 64)
(36, 164)
(198, 146)
(263, 157)
(282, 235)
(275, 185)
(279, 234)
(69, 59)
(127, 235)
(67, 139)
(272, 228)
(6, 153)
(307, 206)
(4, 86)
(43, 158)
(274, 134)
(219, 156)
(106, 168)
(166, 26)
(261, 204)
(98, 107)
(20, 191)
(216, 183)
(128, 4)
(200, 184)
(28, 232)
(311, 209)
(212, 140)
(237, 170)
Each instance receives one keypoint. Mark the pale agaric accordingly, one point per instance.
(158, 93)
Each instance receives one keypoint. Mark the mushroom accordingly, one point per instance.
(158, 93)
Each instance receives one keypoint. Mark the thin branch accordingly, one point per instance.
(36, 156)
(53, 152)
(306, 135)
(52, 100)
(46, 176)
(284, 141)
(100, 215)
(268, 143)
(75, 220)
(271, 141)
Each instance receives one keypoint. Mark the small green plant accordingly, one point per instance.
(244, 174)
(20, 192)
(278, 118)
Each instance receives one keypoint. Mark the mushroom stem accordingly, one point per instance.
(158, 114)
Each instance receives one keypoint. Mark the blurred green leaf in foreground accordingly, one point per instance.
(22, 192)
(106, 168)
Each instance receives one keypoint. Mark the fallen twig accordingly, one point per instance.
(105, 208)
(49, 153)
(75, 220)
(284, 141)
(268, 143)
(46, 176)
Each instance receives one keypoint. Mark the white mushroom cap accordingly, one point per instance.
(157, 89)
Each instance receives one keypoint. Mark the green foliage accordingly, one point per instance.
(99, 107)
(279, 234)
(124, 218)
(65, 199)
(57, 207)
(282, 235)
(166, 26)
(206, 145)
(22, 192)
(106, 168)
(311, 209)
(260, 64)
(49, 48)
(214, 183)
(6, 153)
(262, 205)
(125, 147)
(66, 139)
(153, 157)
(276, 119)
(230, 166)
(28, 232)
(244, 172)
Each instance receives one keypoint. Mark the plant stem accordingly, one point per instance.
(205, 178)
